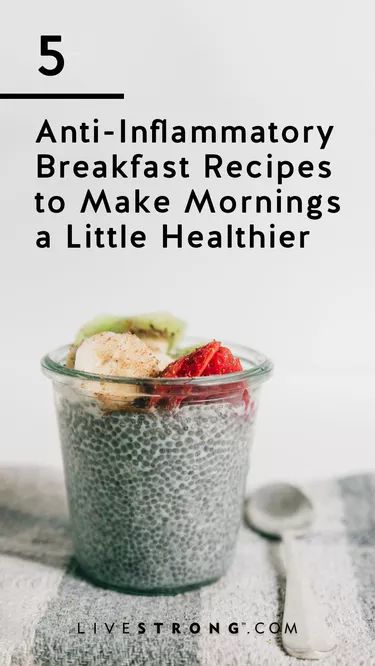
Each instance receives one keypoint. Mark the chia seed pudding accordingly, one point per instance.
(155, 498)
(155, 454)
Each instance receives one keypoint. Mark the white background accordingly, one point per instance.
(196, 62)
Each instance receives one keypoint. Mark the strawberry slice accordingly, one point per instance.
(191, 365)
(173, 369)
(222, 363)
(194, 364)
(210, 359)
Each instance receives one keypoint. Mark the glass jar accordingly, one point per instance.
(155, 471)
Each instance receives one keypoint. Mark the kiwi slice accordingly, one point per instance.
(157, 325)
(101, 324)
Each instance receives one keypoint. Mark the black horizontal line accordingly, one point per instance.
(61, 95)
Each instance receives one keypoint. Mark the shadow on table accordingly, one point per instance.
(33, 515)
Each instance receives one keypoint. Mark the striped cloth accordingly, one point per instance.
(43, 598)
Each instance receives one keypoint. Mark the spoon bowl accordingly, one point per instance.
(277, 508)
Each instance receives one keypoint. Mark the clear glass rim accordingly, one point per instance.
(259, 368)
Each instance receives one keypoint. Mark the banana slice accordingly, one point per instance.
(159, 347)
(117, 355)
(156, 344)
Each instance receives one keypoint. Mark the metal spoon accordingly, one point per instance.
(281, 510)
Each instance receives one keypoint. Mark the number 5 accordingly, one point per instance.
(46, 51)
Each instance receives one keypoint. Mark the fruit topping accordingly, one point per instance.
(222, 363)
(160, 331)
(143, 347)
(194, 364)
(157, 328)
(210, 359)
(100, 324)
(116, 354)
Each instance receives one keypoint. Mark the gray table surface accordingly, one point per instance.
(43, 597)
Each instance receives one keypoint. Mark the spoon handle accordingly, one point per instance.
(313, 638)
